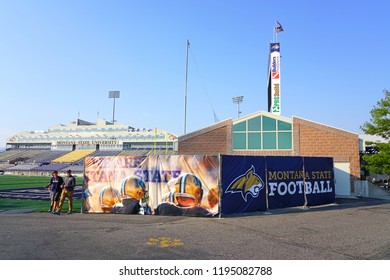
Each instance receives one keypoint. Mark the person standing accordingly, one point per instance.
(67, 192)
(55, 190)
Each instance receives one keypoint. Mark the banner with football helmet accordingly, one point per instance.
(112, 184)
(161, 185)
(191, 185)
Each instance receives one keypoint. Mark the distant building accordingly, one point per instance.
(102, 135)
(367, 142)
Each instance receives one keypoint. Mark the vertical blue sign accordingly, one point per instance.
(285, 182)
(320, 181)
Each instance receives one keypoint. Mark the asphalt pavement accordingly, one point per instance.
(352, 229)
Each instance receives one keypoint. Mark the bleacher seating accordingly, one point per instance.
(16, 155)
(98, 154)
(147, 152)
(134, 153)
(9, 155)
(46, 161)
(161, 152)
(22, 167)
(104, 153)
(5, 166)
(47, 156)
(73, 156)
(74, 168)
(51, 167)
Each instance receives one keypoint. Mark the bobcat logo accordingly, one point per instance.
(249, 183)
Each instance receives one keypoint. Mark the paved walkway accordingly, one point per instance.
(356, 229)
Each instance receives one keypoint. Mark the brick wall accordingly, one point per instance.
(313, 139)
(309, 139)
(212, 140)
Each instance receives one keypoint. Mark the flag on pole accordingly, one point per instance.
(278, 27)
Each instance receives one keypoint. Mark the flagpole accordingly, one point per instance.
(276, 33)
(273, 34)
(185, 90)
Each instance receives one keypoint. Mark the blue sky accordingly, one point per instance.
(60, 58)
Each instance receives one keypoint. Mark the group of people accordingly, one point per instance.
(61, 188)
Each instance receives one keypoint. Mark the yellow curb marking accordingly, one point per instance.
(164, 242)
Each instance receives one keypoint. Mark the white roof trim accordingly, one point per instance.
(263, 113)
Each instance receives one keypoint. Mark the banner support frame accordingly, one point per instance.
(304, 182)
(82, 191)
(219, 187)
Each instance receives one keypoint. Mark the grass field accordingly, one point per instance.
(17, 182)
(35, 205)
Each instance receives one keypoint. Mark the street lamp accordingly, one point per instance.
(113, 94)
(237, 100)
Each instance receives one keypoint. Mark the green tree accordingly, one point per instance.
(379, 124)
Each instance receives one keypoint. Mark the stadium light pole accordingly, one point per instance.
(113, 94)
(237, 100)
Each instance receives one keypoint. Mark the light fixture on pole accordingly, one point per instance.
(237, 100)
(113, 94)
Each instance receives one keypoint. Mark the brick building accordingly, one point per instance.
(267, 134)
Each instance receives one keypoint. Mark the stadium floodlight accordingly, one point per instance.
(113, 94)
(237, 100)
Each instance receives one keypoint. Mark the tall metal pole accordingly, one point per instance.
(185, 90)
(113, 112)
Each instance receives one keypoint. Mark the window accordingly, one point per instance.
(285, 140)
(284, 126)
(262, 133)
(240, 126)
(254, 141)
(239, 141)
(254, 124)
(269, 140)
(269, 124)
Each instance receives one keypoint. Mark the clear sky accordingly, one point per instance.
(59, 59)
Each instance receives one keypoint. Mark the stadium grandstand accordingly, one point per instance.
(73, 156)
(64, 147)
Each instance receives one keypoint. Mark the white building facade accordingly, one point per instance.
(102, 135)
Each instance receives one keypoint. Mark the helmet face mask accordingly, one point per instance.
(133, 187)
(187, 190)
